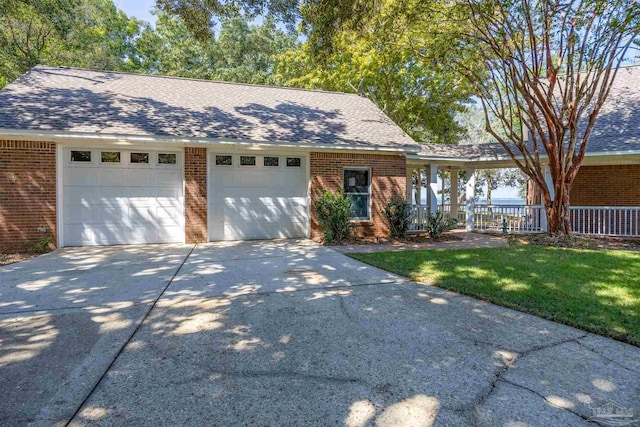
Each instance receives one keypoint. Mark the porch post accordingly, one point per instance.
(549, 180)
(432, 187)
(453, 194)
(409, 191)
(418, 189)
(470, 197)
(543, 214)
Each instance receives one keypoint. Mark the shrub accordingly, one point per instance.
(333, 211)
(398, 214)
(438, 224)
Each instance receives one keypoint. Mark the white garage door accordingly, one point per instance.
(113, 196)
(258, 197)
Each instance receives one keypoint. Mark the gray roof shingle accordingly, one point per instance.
(617, 127)
(78, 100)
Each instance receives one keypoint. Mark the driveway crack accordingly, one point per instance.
(124, 345)
(530, 390)
(498, 376)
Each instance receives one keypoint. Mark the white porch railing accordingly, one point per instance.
(519, 218)
(420, 218)
(618, 221)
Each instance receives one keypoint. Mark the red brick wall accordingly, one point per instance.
(388, 178)
(616, 185)
(195, 198)
(27, 193)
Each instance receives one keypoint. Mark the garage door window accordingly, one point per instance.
(357, 186)
(167, 158)
(110, 157)
(140, 158)
(80, 156)
(247, 160)
(271, 161)
(224, 160)
(294, 162)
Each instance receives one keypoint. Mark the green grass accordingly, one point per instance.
(598, 291)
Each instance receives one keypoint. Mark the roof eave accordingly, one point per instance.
(68, 136)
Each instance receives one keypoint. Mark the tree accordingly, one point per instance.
(85, 33)
(542, 69)
(239, 52)
(378, 62)
(548, 68)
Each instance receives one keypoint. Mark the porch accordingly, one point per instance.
(463, 161)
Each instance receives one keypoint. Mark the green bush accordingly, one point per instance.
(398, 214)
(438, 224)
(334, 211)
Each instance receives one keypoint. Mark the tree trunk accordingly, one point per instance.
(557, 211)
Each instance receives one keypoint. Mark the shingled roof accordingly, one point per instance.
(78, 100)
(617, 128)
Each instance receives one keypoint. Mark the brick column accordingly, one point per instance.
(27, 193)
(195, 197)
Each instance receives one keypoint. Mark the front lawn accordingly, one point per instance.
(598, 291)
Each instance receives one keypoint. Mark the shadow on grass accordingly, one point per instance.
(598, 291)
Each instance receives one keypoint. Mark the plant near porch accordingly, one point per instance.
(334, 212)
(547, 68)
(398, 214)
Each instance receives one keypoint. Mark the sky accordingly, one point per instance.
(141, 9)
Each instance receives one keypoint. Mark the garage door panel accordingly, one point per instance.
(122, 204)
(259, 230)
(258, 202)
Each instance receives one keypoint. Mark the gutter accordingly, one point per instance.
(66, 137)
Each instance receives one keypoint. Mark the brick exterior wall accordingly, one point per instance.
(609, 185)
(614, 185)
(27, 193)
(195, 197)
(388, 178)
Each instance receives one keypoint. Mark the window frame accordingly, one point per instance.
(167, 165)
(138, 164)
(113, 164)
(299, 158)
(270, 166)
(91, 160)
(214, 160)
(255, 161)
(369, 180)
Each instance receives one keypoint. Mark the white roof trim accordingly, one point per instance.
(65, 137)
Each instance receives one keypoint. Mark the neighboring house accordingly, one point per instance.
(98, 158)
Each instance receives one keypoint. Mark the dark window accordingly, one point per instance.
(167, 158)
(139, 157)
(247, 160)
(80, 156)
(294, 162)
(271, 161)
(224, 160)
(110, 157)
(357, 186)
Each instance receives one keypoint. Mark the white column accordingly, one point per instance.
(549, 181)
(409, 192)
(453, 194)
(470, 197)
(418, 192)
(432, 187)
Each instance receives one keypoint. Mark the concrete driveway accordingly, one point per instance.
(286, 332)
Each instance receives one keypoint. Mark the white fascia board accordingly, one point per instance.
(63, 137)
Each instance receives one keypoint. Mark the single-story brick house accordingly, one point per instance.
(97, 158)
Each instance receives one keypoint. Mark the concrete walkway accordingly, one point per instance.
(283, 333)
(469, 241)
